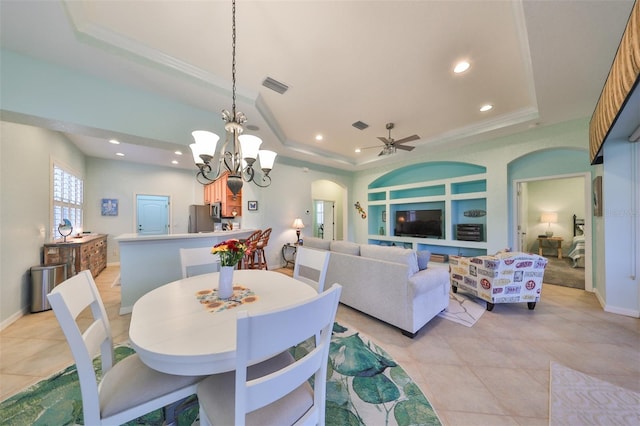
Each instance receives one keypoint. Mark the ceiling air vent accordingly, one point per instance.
(360, 125)
(275, 85)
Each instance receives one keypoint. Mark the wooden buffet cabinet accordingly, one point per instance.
(88, 252)
(219, 192)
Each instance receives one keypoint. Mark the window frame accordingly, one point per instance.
(70, 201)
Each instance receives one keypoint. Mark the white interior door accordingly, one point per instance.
(152, 214)
(522, 216)
(329, 220)
(324, 219)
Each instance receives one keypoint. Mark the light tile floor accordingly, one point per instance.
(494, 373)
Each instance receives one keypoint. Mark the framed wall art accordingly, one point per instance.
(109, 207)
(597, 196)
(252, 206)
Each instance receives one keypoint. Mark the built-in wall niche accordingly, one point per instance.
(469, 212)
(469, 187)
(426, 191)
(377, 196)
(458, 251)
(377, 220)
(451, 194)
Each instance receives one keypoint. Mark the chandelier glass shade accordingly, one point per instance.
(239, 152)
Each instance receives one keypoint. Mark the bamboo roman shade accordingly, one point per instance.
(623, 76)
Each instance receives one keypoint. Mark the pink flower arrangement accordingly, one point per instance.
(230, 251)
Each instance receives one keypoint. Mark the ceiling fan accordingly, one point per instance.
(390, 144)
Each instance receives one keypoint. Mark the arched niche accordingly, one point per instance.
(424, 172)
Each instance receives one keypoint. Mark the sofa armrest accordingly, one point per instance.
(428, 279)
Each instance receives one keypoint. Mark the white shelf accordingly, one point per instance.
(452, 197)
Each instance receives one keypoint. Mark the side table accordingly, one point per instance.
(558, 241)
(289, 254)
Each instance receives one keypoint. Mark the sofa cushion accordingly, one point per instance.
(423, 258)
(391, 254)
(346, 247)
(317, 243)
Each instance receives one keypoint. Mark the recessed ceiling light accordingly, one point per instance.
(485, 108)
(119, 154)
(174, 162)
(461, 66)
(319, 138)
(178, 152)
(358, 150)
(113, 141)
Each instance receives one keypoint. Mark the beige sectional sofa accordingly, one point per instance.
(387, 282)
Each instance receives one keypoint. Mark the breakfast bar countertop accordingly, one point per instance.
(150, 261)
(236, 233)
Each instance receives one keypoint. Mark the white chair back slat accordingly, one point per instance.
(195, 261)
(67, 300)
(275, 391)
(311, 267)
(269, 334)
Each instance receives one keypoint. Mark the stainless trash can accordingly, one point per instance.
(43, 279)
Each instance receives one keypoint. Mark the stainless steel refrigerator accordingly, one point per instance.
(200, 219)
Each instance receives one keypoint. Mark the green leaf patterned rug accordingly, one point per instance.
(365, 386)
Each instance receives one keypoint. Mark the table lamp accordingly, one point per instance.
(549, 217)
(298, 225)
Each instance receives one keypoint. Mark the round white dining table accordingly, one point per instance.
(174, 333)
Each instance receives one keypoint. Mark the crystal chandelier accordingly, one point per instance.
(239, 152)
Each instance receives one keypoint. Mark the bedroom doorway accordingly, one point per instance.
(564, 203)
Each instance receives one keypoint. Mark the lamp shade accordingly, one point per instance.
(549, 217)
(196, 151)
(267, 158)
(205, 144)
(250, 145)
(298, 224)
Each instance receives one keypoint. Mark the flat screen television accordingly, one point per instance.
(419, 223)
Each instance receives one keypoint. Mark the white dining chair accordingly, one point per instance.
(128, 389)
(196, 261)
(276, 391)
(311, 267)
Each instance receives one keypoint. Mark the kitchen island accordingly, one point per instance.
(149, 261)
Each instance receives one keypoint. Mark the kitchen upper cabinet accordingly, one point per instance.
(219, 192)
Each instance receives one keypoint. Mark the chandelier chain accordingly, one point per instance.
(233, 59)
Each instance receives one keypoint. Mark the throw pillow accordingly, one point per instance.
(423, 259)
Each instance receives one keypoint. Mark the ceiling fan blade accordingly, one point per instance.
(406, 148)
(384, 140)
(381, 153)
(407, 139)
(370, 147)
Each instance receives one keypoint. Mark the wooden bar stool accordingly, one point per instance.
(248, 260)
(262, 243)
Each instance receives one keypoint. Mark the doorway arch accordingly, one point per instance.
(546, 166)
(327, 192)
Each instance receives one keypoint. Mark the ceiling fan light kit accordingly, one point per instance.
(391, 145)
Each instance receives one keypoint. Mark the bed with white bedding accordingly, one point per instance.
(576, 252)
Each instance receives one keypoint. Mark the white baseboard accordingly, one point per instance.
(615, 309)
(13, 318)
(622, 311)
